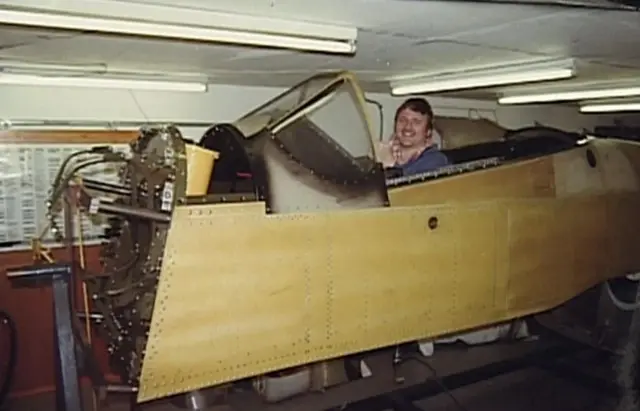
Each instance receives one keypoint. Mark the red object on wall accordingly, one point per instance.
(32, 311)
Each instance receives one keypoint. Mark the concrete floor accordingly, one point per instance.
(526, 390)
(535, 388)
(522, 391)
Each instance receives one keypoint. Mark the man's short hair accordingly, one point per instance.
(419, 105)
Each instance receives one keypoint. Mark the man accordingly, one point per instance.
(412, 147)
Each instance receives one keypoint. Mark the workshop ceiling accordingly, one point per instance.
(395, 38)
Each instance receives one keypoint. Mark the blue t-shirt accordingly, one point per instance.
(429, 160)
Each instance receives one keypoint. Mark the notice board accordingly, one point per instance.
(29, 162)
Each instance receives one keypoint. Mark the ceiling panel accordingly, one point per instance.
(397, 38)
(121, 52)
(588, 35)
(410, 18)
(439, 19)
(72, 48)
(278, 62)
(15, 37)
(361, 13)
(602, 37)
(376, 52)
(440, 57)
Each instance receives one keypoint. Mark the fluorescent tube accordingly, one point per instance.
(609, 107)
(487, 78)
(29, 80)
(177, 31)
(584, 94)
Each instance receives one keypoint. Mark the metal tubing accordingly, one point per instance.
(68, 214)
(121, 388)
(107, 207)
(92, 316)
(106, 187)
(34, 272)
(122, 209)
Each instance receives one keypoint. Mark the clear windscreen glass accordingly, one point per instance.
(283, 105)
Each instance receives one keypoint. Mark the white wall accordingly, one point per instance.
(226, 103)
(219, 104)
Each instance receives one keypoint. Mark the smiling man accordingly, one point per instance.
(412, 147)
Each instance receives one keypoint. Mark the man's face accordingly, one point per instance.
(412, 128)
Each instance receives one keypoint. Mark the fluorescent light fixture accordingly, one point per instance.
(609, 107)
(613, 92)
(114, 83)
(536, 72)
(178, 31)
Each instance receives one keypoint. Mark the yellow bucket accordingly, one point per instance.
(200, 162)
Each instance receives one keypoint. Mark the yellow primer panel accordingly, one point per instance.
(283, 290)
(243, 293)
(529, 179)
(278, 291)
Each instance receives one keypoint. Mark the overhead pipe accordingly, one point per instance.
(609, 5)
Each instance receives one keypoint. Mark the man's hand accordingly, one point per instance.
(389, 153)
(385, 154)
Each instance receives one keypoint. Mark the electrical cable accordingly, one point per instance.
(621, 305)
(101, 150)
(62, 184)
(439, 381)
